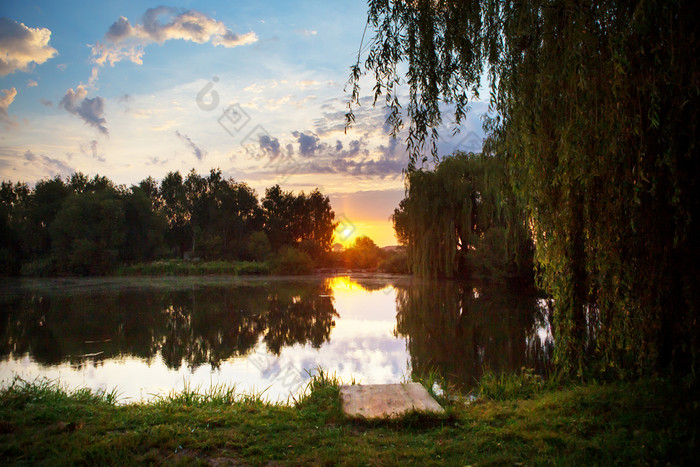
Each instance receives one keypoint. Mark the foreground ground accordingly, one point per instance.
(647, 422)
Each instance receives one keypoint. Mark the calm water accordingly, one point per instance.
(148, 336)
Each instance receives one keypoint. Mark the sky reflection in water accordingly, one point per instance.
(361, 343)
(149, 337)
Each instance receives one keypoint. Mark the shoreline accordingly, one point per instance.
(651, 420)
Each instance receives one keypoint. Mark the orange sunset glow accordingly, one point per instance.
(262, 102)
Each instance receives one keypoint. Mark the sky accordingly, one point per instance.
(256, 89)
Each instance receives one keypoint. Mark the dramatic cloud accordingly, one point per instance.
(91, 111)
(48, 165)
(21, 46)
(352, 158)
(124, 41)
(309, 145)
(196, 150)
(270, 146)
(7, 96)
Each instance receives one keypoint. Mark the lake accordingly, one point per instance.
(148, 336)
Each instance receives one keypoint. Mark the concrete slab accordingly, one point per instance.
(386, 400)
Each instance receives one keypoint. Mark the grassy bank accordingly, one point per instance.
(646, 422)
(176, 267)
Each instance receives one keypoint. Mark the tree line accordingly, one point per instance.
(89, 226)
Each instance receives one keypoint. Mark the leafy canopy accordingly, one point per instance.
(594, 105)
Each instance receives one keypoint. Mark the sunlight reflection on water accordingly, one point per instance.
(361, 345)
(266, 335)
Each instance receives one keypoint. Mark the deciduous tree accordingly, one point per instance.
(594, 105)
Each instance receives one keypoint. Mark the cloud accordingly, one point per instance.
(307, 83)
(21, 46)
(309, 144)
(92, 80)
(355, 149)
(307, 32)
(48, 165)
(389, 151)
(156, 161)
(93, 149)
(32, 84)
(381, 168)
(46, 102)
(91, 111)
(7, 97)
(198, 152)
(369, 119)
(352, 157)
(124, 41)
(270, 146)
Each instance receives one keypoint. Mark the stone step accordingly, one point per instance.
(386, 400)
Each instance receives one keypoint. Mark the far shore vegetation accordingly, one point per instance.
(87, 226)
(362, 256)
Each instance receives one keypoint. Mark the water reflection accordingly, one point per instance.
(149, 337)
(203, 325)
(459, 330)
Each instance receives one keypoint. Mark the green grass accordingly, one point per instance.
(647, 422)
(511, 385)
(176, 267)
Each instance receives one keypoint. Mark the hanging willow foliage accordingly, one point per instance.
(594, 106)
(462, 219)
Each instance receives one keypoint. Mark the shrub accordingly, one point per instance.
(259, 247)
(252, 268)
(397, 263)
(291, 261)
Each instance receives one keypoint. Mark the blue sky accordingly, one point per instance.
(112, 88)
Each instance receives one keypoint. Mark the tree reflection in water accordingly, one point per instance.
(313, 316)
(459, 330)
(456, 329)
(194, 327)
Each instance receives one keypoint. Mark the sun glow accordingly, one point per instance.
(381, 232)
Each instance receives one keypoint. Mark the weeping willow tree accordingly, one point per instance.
(594, 106)
(462, 219)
